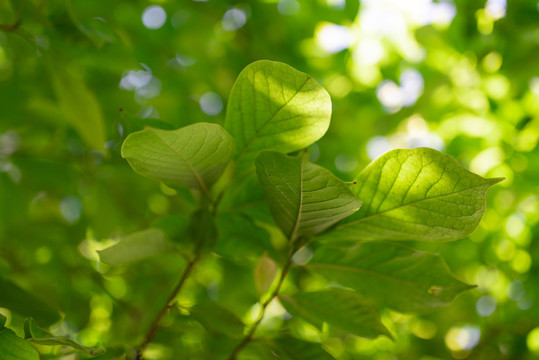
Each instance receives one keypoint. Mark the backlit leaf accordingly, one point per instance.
(415, 194)
(272, 106)
(135, 247)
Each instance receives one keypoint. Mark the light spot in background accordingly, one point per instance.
(288, 7)
(337, 4)
(515, 290)
(333, 38)
(515, 225)
(496, 8)
(521, 262)
(412, 84)
(492, 62)
(302, 256)
(213, 290)
(148, 112)
(142, 82)
(314, 152)
(43, 254)
(154, 17)
(440, 13)
(158, 204)
(377, 145)
(185, 60)
(369, 52)
(390, 96)
(345, 163)
(534, 85)
(71, 208)
(486, 305)
(532, 340)
(211, 103)
(462, 338)
(233, 19)
(9, 142)
(423, 329)
(486, 160)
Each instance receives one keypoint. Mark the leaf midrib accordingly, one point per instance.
(244, 151)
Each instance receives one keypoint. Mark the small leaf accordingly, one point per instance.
(272, 106)
(24, 303)
(415, 194)
(135, 247)
(401, 278)
(192, 157)
(217, 319)
(305, 199)
(294, 349)
(264, 272)
(37, 335)
(341, 308)
(13, 347)
(79, 105)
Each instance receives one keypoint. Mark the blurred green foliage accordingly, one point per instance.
(77, 76)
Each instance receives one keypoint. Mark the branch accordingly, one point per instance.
(247, 339)
(168, 305)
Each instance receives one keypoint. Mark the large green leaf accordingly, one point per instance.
(79, 105)
(305, 199)
(341, 308)
(272, 106)
(193, 156)
(22, 302)
(135, 247)
(415, 194)
(13, 347)
(37, 335)
(401, 278)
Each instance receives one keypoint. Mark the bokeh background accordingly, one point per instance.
(460, 76)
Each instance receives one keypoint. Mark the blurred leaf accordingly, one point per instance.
(217, 319)
(264, 272)
(3, 320)
(275, 107)
(193, 156)
(24, 303)
(401, 278)
(36, 335)
(305, 199)
(202, 231)
(135, 247)
(294, 349)
(79, 105)
(13, 347)
(341, 308)
(416, 194)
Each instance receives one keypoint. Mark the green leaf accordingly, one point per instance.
(37, 335)
(305, 199)
(13, 347)
(24, 303)
(272, 106)
(216, 318)
(202, 231)
(192, 157)
(401, 278)
(264, 273)
(341, 308)
(415, 194)
(3, 320)
(78, 104)
(294, 349)
(135, 247)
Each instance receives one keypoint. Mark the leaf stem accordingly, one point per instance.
(247, 339)
(168, 305)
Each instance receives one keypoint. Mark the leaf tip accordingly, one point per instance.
(494, 181)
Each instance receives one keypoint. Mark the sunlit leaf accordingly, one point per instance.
(37, 335)
(272, 106)
(193, 156)
(415, 194)
(305, 199)
(13, 347)
(398, 277)
(341, 308)
(135, 247)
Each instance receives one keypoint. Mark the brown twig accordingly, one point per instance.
(168, 305)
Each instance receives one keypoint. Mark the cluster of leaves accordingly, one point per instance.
(349, 229)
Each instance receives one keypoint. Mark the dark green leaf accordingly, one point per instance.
(401, 278)
(294, 349)
(272, 106)
(415, 194)
(305, 199)
(217, 319)
(135, 247)
(193, 156)
(341, 308)
(13, 347)
(35, 334)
